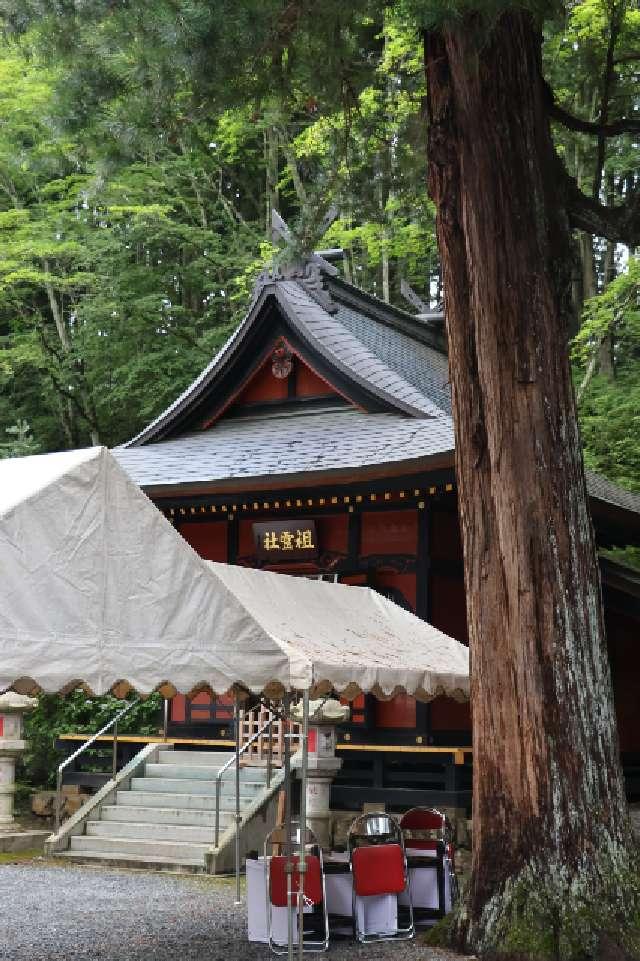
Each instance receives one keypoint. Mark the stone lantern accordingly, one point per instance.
(12, 709)
(322, 765)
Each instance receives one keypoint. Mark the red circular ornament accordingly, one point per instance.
(281, 363)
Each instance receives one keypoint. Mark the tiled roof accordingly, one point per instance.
(404, 374)
(382, 348)
(287, 444)
(361, 356)
(424, 367)
(254, 447)
(605, 490)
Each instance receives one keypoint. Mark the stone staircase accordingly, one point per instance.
(164, 815)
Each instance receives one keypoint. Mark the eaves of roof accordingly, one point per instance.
(428, 329)
(324, 335)
(350, 356)
(195, 390)
(609, 493)
(248, 450)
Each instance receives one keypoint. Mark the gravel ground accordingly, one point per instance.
(74, 913)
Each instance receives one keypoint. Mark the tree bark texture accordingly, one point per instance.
(549, 812)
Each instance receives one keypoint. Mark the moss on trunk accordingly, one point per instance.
(547, 913)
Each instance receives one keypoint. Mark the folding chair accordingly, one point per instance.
(316, 921)
(429, 830)
(379, 867)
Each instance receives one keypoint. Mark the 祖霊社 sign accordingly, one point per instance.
(278, 541)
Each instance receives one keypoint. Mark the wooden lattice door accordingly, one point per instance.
(273, 738)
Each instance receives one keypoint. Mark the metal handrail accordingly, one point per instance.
(82, 748)
(232, 760)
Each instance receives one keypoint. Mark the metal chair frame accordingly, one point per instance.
(379, 829)
(442, 835)
(278, 836)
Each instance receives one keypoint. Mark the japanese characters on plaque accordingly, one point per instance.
(279, 541)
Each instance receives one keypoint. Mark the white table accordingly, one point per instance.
(375, 914)
(423, 885)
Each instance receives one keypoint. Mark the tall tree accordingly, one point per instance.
(554, 869)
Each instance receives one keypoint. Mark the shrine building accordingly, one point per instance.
(319, 442)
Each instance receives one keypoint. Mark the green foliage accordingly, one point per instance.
(443, 933)
(143, 145)
(629, 556)
(110, 300)
(21, 442)
(610, 425)
(134, 195)
(610, 405)
(77, 714)
(614, 313)
(438, 14)
(575, 61)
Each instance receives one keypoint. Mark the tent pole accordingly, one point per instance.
(237, 719)
(302, 859)
(287, 823)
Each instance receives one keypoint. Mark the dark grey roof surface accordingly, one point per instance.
(406, 374)
(345, 346)
(262, 446)
(422, 366)
(362, 337)
(605, 490)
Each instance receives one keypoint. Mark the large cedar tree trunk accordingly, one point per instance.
(551, 848)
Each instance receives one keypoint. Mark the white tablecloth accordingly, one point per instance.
(423, 885)
(376, 914)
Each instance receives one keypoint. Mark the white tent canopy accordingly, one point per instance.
(96, 587)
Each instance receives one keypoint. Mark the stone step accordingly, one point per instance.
(208, 758)
(146, 831)
(202, 772)
(193, 786)
(163, 815)
(139, 861)
(180, 852)
(200, 802)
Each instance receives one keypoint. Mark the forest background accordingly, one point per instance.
(136, 186)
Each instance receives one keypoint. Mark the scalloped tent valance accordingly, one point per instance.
(99, 591)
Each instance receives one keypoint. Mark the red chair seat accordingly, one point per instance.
(278, 880)
(378, 869)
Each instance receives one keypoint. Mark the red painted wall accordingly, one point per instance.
(263, 386)
(396, 532)
(448, 606)
(400, 711)
(450, 715)
(333, 533)
(209, 539)
(445, 541)
(405, 583)
(389, 532)
(448, 609)
(308, 384)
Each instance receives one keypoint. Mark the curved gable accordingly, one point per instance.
(326, 353)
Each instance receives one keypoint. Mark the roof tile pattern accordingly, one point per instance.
(399, 368)
(351, 352)
(281, 445)
(605, 490)
(424, 367)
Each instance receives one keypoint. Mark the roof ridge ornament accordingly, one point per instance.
(308, 270)
(424, 310)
